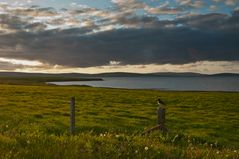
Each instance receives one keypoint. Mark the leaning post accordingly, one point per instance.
(72, 115)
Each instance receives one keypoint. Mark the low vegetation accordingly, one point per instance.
(34, 123)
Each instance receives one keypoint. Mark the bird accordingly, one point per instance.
(160, 102)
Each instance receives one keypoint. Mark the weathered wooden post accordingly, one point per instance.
(161, 119)
(161, 115)
(72, 115)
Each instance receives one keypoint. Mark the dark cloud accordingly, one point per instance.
(35, 27)
(11, 22)
(136, 46)
(205, 21)
(34, 11)
(212, 37)
(8, 66)
(14, 22)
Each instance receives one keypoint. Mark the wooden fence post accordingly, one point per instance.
(161, 117)
(72, 116)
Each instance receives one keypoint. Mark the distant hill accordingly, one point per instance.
(226, 74)
(19, 74)
(114, 74)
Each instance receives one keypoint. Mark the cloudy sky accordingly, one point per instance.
(93, 36)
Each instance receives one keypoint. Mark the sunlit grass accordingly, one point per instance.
(34, 123)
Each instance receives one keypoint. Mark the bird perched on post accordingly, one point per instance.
(160, 102)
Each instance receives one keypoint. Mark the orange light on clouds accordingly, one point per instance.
(21, 62)
(205, 67)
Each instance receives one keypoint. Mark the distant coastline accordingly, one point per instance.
(155, 81)
(113, 74)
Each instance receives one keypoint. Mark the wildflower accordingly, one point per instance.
(6, 126)
(136, 151)
(101, 134)
(218, 152)
(146, 148)
(235, 151)
(175, 137)
(117, 136)
(28, 141)
(216, 144)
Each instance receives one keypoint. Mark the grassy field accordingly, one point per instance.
(34, 123)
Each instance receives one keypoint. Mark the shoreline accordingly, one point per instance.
(150, 89)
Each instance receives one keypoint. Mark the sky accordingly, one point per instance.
(143, 36)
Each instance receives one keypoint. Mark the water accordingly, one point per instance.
(212, 83)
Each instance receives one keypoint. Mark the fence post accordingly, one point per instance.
(161, 117)
(72, 116)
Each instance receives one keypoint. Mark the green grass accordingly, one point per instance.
(34, 123)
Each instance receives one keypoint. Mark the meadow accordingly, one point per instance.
(34, 123)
